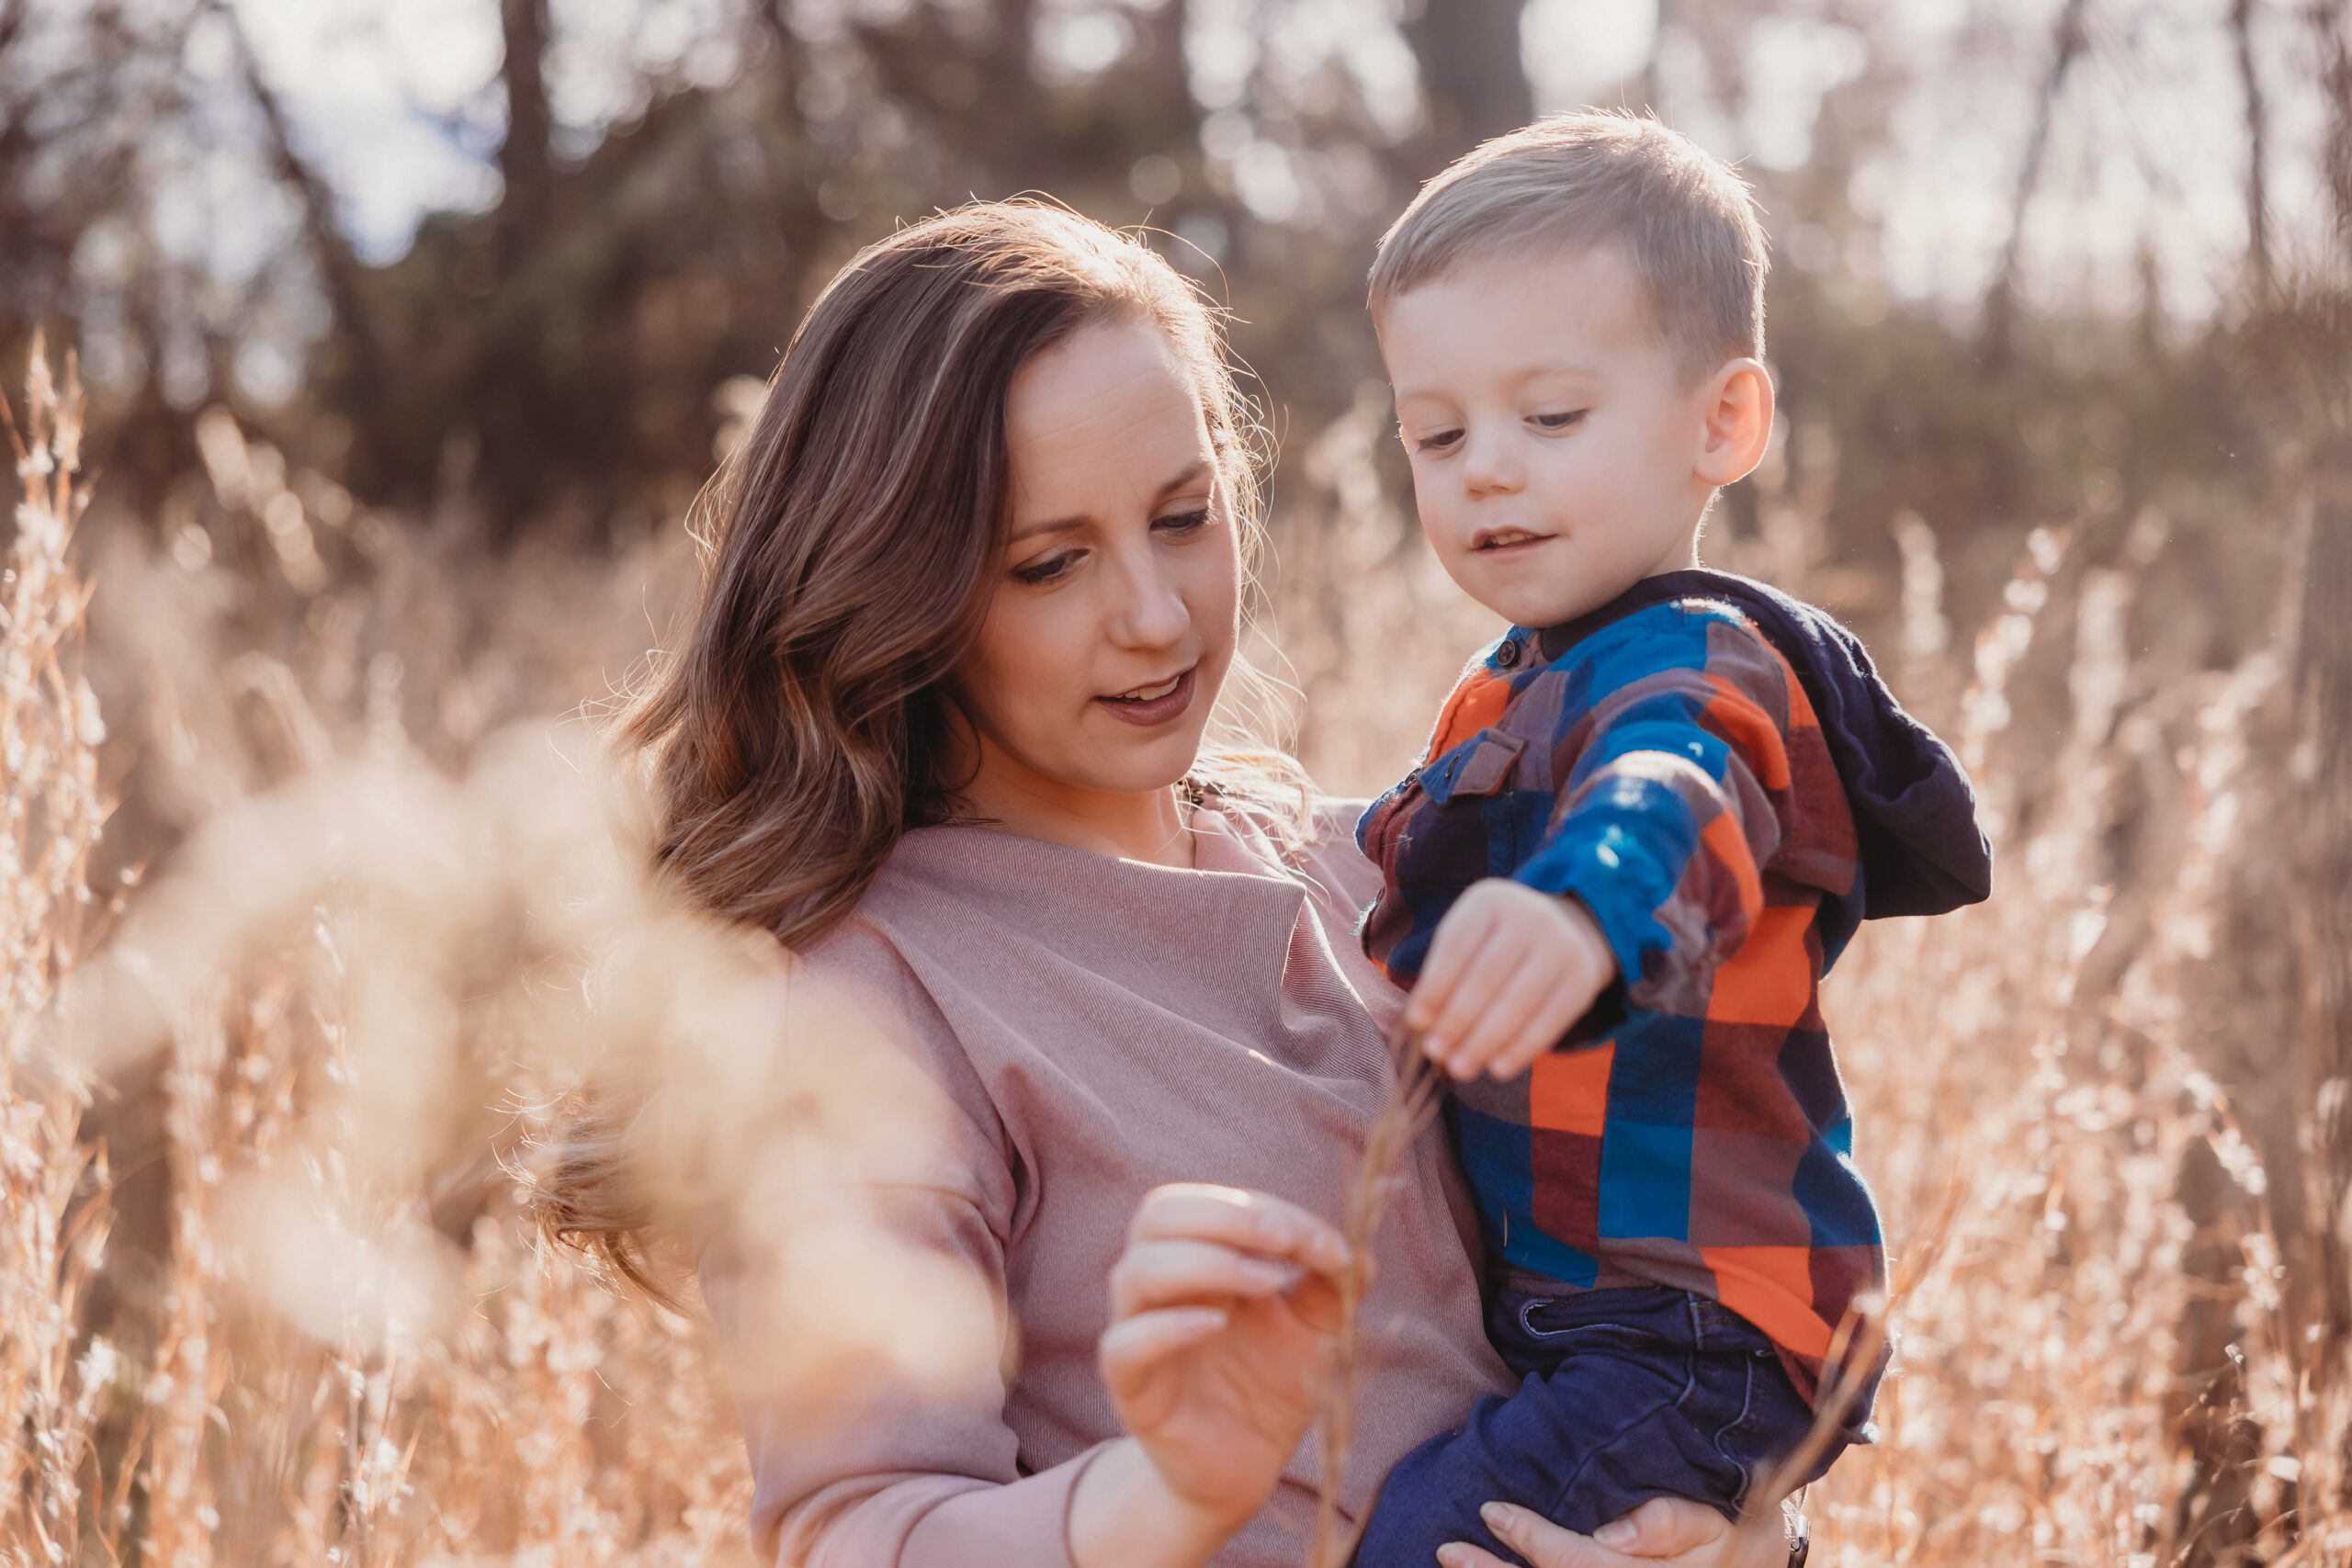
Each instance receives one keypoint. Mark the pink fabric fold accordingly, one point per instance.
(1098, 1027)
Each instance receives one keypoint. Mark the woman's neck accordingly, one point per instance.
(1152, 826)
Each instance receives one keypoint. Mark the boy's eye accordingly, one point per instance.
(1182, 522)
(1435, 441)
(1559, 420)
(1046, 570)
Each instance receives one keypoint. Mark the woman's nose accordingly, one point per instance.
(1149, 610)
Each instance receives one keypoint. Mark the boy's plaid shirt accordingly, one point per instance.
(1669, 771)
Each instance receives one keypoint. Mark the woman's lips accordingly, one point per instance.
(1158, 710)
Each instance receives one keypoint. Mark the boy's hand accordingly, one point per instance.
(1508, 972)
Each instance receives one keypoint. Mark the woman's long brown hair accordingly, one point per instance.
(851, 544)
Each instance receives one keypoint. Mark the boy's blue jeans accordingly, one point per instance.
(1629, 1395)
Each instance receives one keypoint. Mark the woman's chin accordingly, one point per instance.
(1149, 764)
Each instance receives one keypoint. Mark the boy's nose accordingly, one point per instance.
(1490, 465)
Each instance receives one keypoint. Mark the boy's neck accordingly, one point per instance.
(1684, 556)
(1558, 637)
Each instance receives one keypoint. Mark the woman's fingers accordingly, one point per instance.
(1152, 1274)
(1542, 1543)
(1664, 1527)
(1661, 1527)
(1233, 1217)
(1132, 1345)
(1462, 1555)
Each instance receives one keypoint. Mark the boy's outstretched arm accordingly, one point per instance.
(1509, 971)
(1651, 868)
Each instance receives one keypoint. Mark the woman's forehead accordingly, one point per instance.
(1106, 416)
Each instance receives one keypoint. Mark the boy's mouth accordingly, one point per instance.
(1493, 541)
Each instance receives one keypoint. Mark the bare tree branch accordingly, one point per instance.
(2335, 85)
(1471, 74)
(775, 21)
(526, 158)
(2257, 138)
(2000, 306)
(337, 265)
(339, 268)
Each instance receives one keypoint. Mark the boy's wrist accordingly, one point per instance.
(1588, 925)
(1581, 888)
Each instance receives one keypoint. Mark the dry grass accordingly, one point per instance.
(392, 928)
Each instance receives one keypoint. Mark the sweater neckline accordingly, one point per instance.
(1223, 844)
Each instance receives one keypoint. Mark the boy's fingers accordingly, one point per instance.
(1563, 1002)
(1451, 1010)
(1513, 1010)
(1535, 1038)
(1482, 978)
(1442, 970)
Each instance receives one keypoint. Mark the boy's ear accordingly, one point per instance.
(1736, 403)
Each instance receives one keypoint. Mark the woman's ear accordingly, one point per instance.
(1737, 405)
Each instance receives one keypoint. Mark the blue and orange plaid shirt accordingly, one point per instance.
(1667, 770)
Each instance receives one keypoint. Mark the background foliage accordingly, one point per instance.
(402, 373)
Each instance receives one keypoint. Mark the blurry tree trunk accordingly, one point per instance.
(2258, 143)
(2000, 304)
(776, 20)
(351, 358)
(1649, 89)
(1471, 74)
(525, 161)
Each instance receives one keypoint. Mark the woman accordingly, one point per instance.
(975, 589)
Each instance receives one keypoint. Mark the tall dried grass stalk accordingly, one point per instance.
(1415, 1092)
(52, 1184)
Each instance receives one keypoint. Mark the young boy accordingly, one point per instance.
(1648, 820)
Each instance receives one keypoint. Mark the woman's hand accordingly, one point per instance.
(1223, 1310)
(1662, 1530)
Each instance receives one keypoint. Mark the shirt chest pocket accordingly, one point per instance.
(1481, 766)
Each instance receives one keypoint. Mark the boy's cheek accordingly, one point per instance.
(1439, 524)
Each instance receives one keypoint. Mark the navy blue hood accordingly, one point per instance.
(1915, 811)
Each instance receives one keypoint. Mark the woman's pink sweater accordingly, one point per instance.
(1100, 1027)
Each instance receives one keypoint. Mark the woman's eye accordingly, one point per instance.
(1046, 570)
(1560, 421)
(1182, 522)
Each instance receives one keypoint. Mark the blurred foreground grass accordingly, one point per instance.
(266, 1294)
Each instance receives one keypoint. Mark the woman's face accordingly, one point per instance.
(1118, 598)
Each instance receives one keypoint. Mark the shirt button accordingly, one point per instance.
(1507, 654)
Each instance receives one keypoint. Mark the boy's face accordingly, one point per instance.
(1560, 453)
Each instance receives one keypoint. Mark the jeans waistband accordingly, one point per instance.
(1681, 1317)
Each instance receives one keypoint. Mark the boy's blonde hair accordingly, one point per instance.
(1686, 222)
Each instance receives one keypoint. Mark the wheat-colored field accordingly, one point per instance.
(268, 1290)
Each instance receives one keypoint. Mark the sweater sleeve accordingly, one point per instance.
(1669, 817)
(858, 1291)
